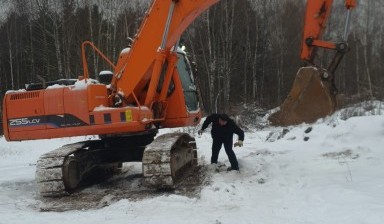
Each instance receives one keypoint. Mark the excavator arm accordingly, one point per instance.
(316, 16)
(313, 93)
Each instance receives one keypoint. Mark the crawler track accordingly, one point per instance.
(74, 166)
(167, 157)
(62, 171)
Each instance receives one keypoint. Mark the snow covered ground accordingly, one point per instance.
(332, 172)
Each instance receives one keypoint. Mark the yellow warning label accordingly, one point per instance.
(128, 115)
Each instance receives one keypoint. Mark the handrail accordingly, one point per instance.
(84, 58)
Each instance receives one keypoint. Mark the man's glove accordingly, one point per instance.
(239, 143)
(200, 132)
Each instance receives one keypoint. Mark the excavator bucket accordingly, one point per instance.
(311, 97)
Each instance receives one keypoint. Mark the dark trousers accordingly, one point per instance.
(216, 146)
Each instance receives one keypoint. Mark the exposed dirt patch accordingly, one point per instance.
(343, 154)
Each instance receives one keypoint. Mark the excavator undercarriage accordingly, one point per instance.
(71, 167)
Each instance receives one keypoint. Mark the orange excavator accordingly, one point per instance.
(151, 87)
(313, 93)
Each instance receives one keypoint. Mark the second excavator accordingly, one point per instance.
(151, 87)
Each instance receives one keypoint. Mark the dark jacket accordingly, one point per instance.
(222, 132)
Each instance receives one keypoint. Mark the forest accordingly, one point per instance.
(247, 52)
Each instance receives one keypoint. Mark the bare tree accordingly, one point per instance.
(10, 46)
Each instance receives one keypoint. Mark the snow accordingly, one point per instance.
(103, 108)
(106, 72)
(16, 91)
(82, 84)
(56, 86)
(125, 50)
(332, 173)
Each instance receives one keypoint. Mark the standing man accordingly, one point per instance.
(222, 132)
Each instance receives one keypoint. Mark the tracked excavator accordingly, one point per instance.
(313, 93)
(151, 87)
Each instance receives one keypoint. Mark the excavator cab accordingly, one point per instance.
(186, 76)
(184, 69)
(313, 93)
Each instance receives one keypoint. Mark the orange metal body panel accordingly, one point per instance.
(21, 104)
(97, 96)
(76, 103)
(69, 111)
(53, 101)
